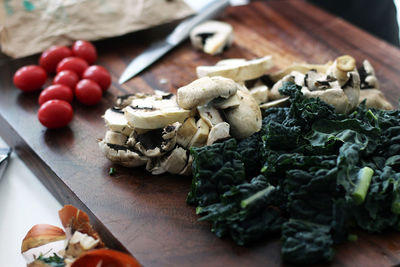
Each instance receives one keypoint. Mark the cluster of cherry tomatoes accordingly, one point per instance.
(74, 76)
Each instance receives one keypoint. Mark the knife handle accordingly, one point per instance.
(182, 31)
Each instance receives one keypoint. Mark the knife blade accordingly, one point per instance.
(4, 155)
(180, 33)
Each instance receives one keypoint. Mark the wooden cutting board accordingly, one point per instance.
(147, 215)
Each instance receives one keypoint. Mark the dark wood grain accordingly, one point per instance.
(147, 215)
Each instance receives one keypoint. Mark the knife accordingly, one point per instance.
(4, 155)
(180, 33)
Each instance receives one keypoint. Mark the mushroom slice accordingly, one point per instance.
(203, 90)
(79, 244)
(154, 113)
(218, 132)
(334, 96)
(231, 62)
(186, 132)
(375, 99)
(200, 137)
(188, 168)
(123, 155)
(115, 121)
(294, 77)
(302, 68)
(126, 100)
(341, 67)
(259, 92)
(175, 161)
(314, 80)
(241, 71)
(153, 166)
(367, 76)
(209, 114)
(283, 102)
(222, 103)
(245, 119)
(156, 142)
(352, 89)
(115, 138)
(212, 36)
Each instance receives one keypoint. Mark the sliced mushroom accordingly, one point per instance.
(294, 77)
(334, 96)
(123, 155)
(115, 121)
(218, 132)
(200, 137)
(154, 166)
(115, 138)
(375, 99)
(240, 71)
(283, 102)
(352, 90)
(156, 142)
(154, 113)
(209, 114)
(175, 161)
(259, 92)
(224, 103)
(187, 170)
(213, 37)
(126, 100)
(367, 76)
(314, 80)
(341, 68)
(186, 132)
(203, 90)
(302, 68)
(245, 119)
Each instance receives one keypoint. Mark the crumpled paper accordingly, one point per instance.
(31, 26)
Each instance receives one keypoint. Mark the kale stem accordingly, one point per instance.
(396, 204)
(363, 180)
(257, 195)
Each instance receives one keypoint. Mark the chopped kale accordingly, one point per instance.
(310, 174)
(54, 260)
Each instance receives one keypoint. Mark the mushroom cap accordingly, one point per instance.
(245, 119)
(260, 93)
(300, 67)
(237, 70)
(210, 114)
(334, 96)
(200, 137)
(375, 99)
(203, 90)
(212, 36)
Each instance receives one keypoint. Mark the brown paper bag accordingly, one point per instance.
(31, 26)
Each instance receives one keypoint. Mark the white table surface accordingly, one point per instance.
(24, 202)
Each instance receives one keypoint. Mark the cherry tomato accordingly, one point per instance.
(88, 92)
(75, 64)
(55, 113)
(66, 77)
(98, 74)
(56, 91)
(30, 78)
(85, 50)
(52, 56)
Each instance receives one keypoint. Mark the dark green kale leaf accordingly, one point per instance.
(54, 260)
(216, 169)
(306, 243)
(250, 149)
(247, 212)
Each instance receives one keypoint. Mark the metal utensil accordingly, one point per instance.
(180, 33)
(4, 156)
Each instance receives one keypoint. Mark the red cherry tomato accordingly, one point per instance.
(98, 74)
(30, 78)
(75, 64)
(52, 56)
(66, 77)
(105, 258)
(85, 50)
(56, 91)
(55, 113)
(88, 92)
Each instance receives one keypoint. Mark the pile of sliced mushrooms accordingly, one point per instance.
(225, 101)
